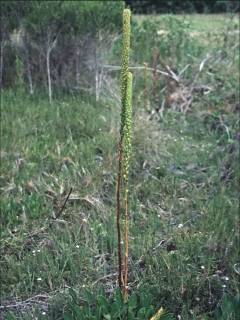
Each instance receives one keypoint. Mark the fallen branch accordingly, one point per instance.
(113, 68)
(64, 205)
(105, 277)
(40, 299)
(32, 300)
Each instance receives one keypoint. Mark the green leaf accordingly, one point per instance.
(102, 304)
(141, 313)
(73, 294)
(132, 301)
(68, 316)
(119, 298)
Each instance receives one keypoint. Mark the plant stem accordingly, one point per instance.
(124, 150)
(127, 146)
(125, 292)
(118, 213)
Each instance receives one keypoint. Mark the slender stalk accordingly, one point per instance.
(145, 86)
(1, 63)
(121, 146)
(154, 74)
(125, 63)
(127, 148)
(125, 289)
(118, 213)
(49, 76)
(29, 74)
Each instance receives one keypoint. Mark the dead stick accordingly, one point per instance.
(64, 204)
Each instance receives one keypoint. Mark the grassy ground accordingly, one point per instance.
(202, 22)
(183, 216)
(61, 263)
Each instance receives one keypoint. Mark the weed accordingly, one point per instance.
(124, 149)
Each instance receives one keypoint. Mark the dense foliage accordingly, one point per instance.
(179, 6)
(56, 42)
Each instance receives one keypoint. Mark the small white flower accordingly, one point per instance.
(39, 279)
(33, 251)
(122, 242)
(197, 299)
(226, 278)
(224, 286)
(77, 246)
(83, 286)
(159, 216)
(84, 220)
(202, 267)
(161, 32)
(180, 226)
(38, 250)
(43, 313)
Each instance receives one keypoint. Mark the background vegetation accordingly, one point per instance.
(60, 115)
(178, 6)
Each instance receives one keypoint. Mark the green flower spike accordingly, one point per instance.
(127, 129)
(124, 153)
(125, 61)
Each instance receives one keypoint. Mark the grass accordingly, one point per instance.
(184, 236)
(178, 199)
(202, 22)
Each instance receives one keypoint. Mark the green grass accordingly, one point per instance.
(201, 22)
(208, 29)
(184, 236)
(176, 196)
